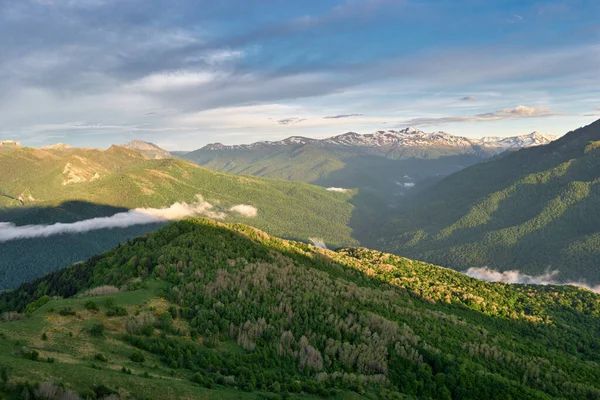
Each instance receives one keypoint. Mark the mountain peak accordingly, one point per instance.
(148, 148)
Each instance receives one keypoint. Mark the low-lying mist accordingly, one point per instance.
(138, 216)
(515, 276)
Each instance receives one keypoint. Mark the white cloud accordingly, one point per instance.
(515, 276)
(245, 210)
(514, 113)
(317, 243)
(138, 216)
(174, 80)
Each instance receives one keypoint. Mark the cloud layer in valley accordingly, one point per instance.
(338, 189)
(138, 216)
(515, 276)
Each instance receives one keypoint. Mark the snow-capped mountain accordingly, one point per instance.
(409, 137)
(533, 139)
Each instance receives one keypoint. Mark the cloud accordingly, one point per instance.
(245, 210)
(468, 98)
(342, 116)
(173, 80)
(138, 216)
(515, 276)
(516, 18)
(290, 121)
(337, 189)
(518, 112)
(318, 243)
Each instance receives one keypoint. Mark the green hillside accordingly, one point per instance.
(49, 186)
(370, 169)
(535, 210)
(205, 310)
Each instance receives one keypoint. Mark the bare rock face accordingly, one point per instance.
(149, 149)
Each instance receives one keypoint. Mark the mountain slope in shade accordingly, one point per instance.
(149, 149)
(535, 210)
(206, 310)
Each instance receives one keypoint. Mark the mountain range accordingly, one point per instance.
(390, 141)
(387, 165)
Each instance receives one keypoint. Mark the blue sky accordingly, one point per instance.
(186, 73)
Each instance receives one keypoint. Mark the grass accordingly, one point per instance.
(74, 356)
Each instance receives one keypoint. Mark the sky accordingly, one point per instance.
(184, 73)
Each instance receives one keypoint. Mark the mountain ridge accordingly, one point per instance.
(410, 137)
(533, 210)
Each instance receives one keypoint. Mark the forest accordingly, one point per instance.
(228, 307)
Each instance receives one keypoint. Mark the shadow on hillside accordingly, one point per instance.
(386, 184)
(25, 259)
(66, 212)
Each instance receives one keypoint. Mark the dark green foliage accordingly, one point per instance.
(100, 357)
(67, 311)
(32, 355)
(4, 374)
(97, 330)
(137, 357)
(44, 336)
(91, 305)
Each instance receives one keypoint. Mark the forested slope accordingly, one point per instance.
(535, 210)
(209, 310)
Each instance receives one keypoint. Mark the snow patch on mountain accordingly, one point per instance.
(408, 137)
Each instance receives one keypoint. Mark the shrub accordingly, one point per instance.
(44, 336)
(97, 330)
(10, 316)
(32, 355)
(103, 392)
(91, 305)
(116, 311)
(100, 357)
(140, 324)
(4, 374)
(137, 357)
(67, 311)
